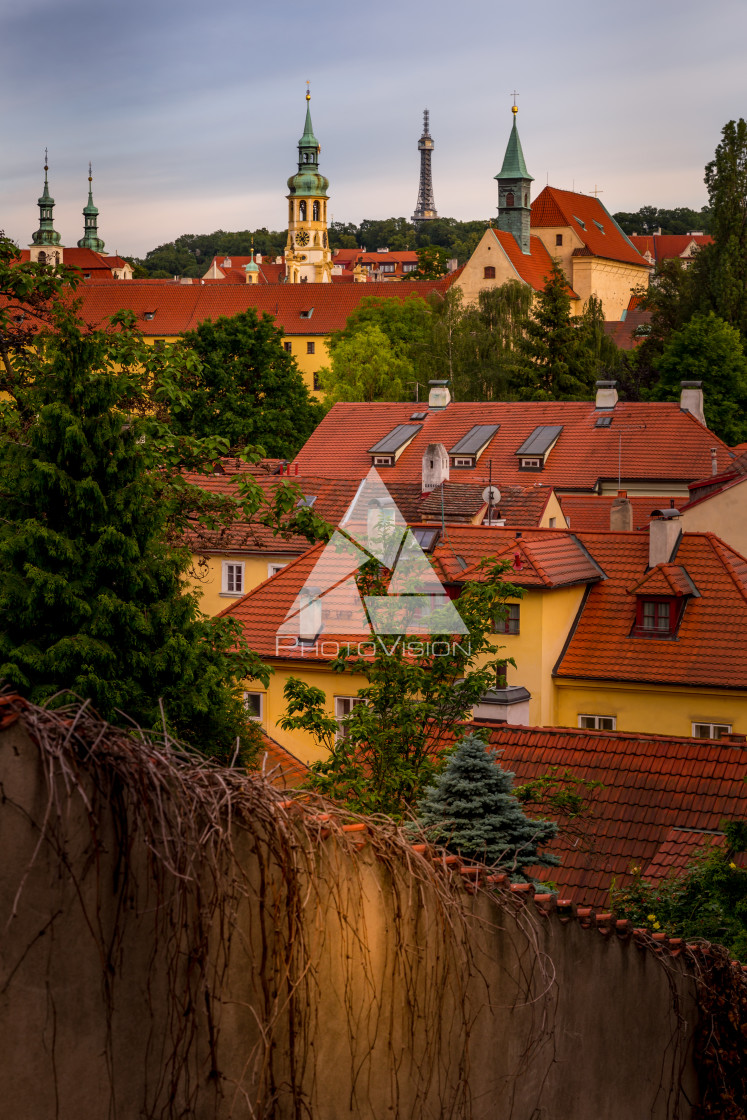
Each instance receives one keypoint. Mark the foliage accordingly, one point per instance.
(650, 219)
(407, 323)
(557, 366)
(245, 387)
(709, 350)
(720, 269)
(483, 340)
(92, 565)
(471, 809)
(415, 698)
(709, 900)
(366, 367)
(432, 263)
(562, 796)
(192, 253)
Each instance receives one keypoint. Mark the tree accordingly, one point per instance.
(720, 269)
(470, 809)
(407, 323)
(366, 367)
(416, 697)
(708, 900)
(432, 263)
(492, 332)
(709, 350)
(245, 387)
(92, 590)
(650, 219)
(557, 366)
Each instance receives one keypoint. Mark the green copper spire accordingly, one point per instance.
(514, 191)
(46, 233)
(308, 181)
(90, 238)
(514, 166)
(252, 266)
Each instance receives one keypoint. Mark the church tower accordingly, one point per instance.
(307, 255)
(45, 243)
(426, 207)
(514, 191)
(90, 238)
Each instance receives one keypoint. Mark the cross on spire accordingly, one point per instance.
(46, 159)
(515, 107)
(308, 91)
(597, 191)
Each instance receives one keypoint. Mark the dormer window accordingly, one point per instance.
(463, 461)
(149, 314)
(383, 460)
(657, 617)
(530, 464)
(535, 449)
(386, 452)
(661, 597)
(470, 447)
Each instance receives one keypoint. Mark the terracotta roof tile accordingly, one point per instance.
(660, 442)
(586, 511)
(600, 232)
(664, 579)
(279, 766)
(533, 267)
(664, 246)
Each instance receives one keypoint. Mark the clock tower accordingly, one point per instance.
(308, 258)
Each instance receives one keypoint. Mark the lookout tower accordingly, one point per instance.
(426, 207)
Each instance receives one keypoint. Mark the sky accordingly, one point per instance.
(191, 111)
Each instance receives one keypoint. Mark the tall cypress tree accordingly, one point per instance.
(470, 809)
(557, 366)
(92, 594)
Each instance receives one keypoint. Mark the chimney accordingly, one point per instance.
(691, 399)
(621, 513)
(439, 395)
(664, 532)
(435, 466)
(714, 460)
(606, 394)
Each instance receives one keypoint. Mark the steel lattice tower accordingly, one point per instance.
(426, 207)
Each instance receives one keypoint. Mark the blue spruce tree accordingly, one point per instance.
(470, 809)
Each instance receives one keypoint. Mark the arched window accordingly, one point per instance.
(510, 198)
(290, 211)
(42, 258)
(302, 211)
(526, 199)
(488, 273)
(315, 211)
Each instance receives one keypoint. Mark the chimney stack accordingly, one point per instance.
(439, 395)
(714, 460)
(621, 513)
(664, 532)
(691, 399)
(606, 394)
(435, 467)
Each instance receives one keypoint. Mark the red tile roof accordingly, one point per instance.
(664, 579)
(462, 501)
(539, 558)
(629, 332)
(180, 308)
(709, 649)
(678, 850)
(651, 785)
(278, 766)
(86, 260)
(592, 511)
(659, 442)
(533, 267)
(554, 207)
(664, 246)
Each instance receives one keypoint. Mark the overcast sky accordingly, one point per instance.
(191, 111)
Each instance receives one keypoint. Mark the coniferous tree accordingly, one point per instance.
(470, 809)
(556, 365)
(92, 593)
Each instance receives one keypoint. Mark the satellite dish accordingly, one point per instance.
(491, 495)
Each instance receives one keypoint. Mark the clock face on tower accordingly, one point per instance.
(302, 238)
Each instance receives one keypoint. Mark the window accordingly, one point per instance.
(531, 464)
(302, 211)
(597, 723)
(273, 569)
(383, 460)
(315, 211)
(509, 624)
(388, 268)
(711, 730)
(558, 238)
(488, 273)
(317, 383)
(463, 461)
(254, 703)
(409, 267)
(310, 347)
(552, 522)
(287, 347)
(149, 314)
(343, 707)
(42, 258)
(501, 679)
(510, 198)
(657, 617)
(233, 578)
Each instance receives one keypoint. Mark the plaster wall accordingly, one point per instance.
(488, 252)
(206, 576)
(103, 978)
(611, 281)
(724, 514)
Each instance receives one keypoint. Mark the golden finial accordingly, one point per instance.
(90, 176)
(514, 107)
(308, 92)
(46, 160)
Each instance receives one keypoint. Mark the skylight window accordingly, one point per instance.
(599, 225)
(582, 224)
(426, 538)
(603, 422)
(397, 439)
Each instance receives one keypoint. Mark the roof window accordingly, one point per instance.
(603, 422)
(537, 446)
(599, 225)
(306, 502)
(426, 538)
(149, 314)
(306, 314)
(470, 447)
(418, 415)
(393, 444)
(582, 224)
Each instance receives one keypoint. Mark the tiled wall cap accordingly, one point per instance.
(497, 880)
(584, 912)
(622, 925)
(450, 861)
(419, 848)
(358, 827)
(470, 872)
(522, 888)
(659, 936)
(546, 901)
(604, 919)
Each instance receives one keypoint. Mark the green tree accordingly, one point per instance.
(245, 387)
(470, 808)
(413, 703)
(490, 350)
(650, 219)
(708, 900)
(709, 350)
(433, 261)
(720, 269)
(556, 366)
(407, 323)
(92, 590)
(366, 367)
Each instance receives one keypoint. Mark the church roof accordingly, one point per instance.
(589, 220)
(514, 166)
(533, 267)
